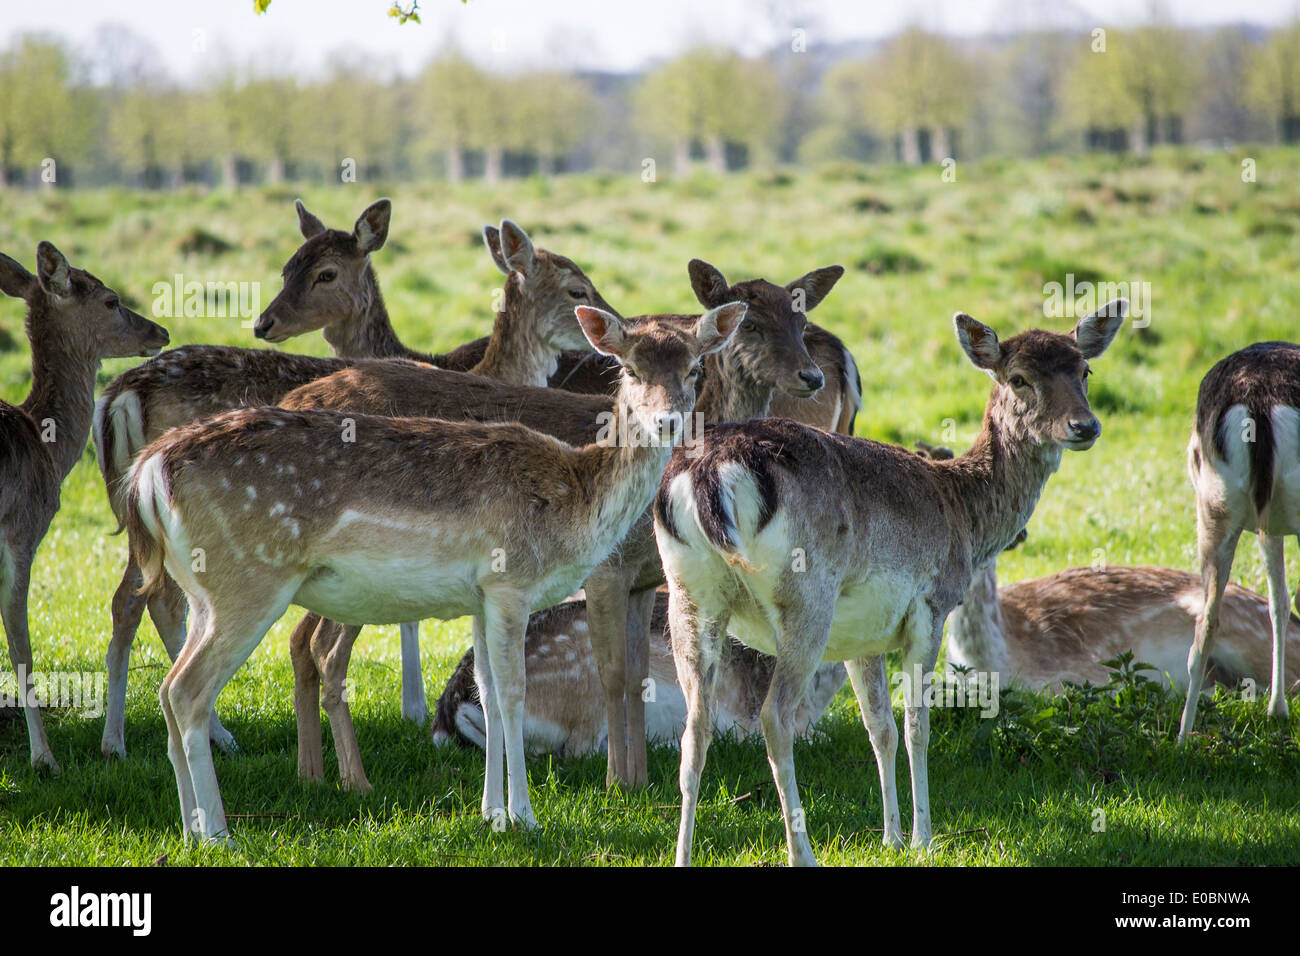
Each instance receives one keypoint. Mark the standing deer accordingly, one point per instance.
(1243, 459)
(563, 712)
(414, 518)
(74, 322)
(811, 546)
(329, 284)
(766, 356)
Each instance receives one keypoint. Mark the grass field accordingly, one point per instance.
(1222, 260)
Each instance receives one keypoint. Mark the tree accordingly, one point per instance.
(44, 113)
(1273, 81)
(450, 92)
(552, 110)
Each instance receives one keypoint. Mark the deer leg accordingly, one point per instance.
(331, 648)
(1217, 542)
(640, 608)
(191, 819)
(869, 678)
(128, 609)
(697, 642)
(414, 705)
(800, 652)
(306, 699)
(208, 661)
(923, 650)
(494, 803)
(607, 610)
(13, 610)
(1279, 602)
(505, 620)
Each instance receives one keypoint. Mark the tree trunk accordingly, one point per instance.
(940, 146)
(910, 146)
(1142, 137)
(717, 154)
(682, 156)
(229, 171)
(176, 176)
(492, 163)
(275, 171)
(545, 164)
(455, 163)
(4, 174)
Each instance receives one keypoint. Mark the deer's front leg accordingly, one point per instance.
(1217, 543)
(607, 609)
(505, 619)
(415, 707)
(306, 699)
(869, 678)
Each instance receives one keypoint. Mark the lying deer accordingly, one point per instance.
(1045, 631)
(562, 709)
(414, 518)
(74, 322)
(811, 546)
(1243, 459)
(329, 284)
(738, 382)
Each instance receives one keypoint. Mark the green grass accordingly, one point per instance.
(1223, 262)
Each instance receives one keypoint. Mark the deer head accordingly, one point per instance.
(1042, 377)
(661, 361)
(769, 345)
(75, 312)
(328, 280)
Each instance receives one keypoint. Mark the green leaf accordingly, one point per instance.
(261, 6)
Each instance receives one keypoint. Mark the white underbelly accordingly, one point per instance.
(369, 589)
(868, 617)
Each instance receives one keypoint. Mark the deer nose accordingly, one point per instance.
(814, 380)
(262, 326)
(1085, 430)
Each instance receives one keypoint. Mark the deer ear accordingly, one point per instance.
(603, 330)
(371, 230)
(308, 224)
(980, 342)
(14, 279)
(1095, 332)
(492, 239)
(816, 285)
(53, 270)
(517, 249)
(708, 283)
(717, 326)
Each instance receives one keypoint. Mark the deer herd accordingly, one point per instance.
(695, 476)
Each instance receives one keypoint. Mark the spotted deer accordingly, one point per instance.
(766, 356)
(329, 284)
(74, 322)
(1244, 463)
(811, 546)
(563, 713)
(412, 518)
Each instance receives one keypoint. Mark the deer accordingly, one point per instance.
(767, 355)
(74, 322)
(414, 518)
(811, 546)
(563, 712)
(1044, 632)
(329, 284)
(1242, 461)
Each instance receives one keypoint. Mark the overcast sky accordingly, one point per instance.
(617, 35)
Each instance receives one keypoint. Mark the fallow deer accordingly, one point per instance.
(811, 546)
(329, 284)
(563, 711)
(1244, 462)
(767, 355)
(73, 323)
(414, 518)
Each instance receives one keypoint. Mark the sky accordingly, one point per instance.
(606, 35)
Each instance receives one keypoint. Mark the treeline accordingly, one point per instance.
(73, 117)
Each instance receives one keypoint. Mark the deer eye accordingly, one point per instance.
(1018, 381)
(327, 275)
(577, 294)
(112, 304)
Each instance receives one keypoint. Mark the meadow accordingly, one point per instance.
(1221, 258)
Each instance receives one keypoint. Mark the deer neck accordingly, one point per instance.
(368, 333)
(999, 479)
(62, 399)
(730, 393)
(976, 635)
(620, 472)
(516, 353)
